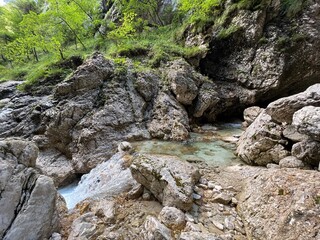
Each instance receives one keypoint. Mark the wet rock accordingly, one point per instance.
(8, 89)
(156, 230)
(173, 218)
(170, 179)
(107, 180)
(307, 151)
(28, 199)
(250, 114)
(286, 197)
(262, 142)
(282, 110)
(307, 121)
(291, 162)
(169, 119)
(184, 81)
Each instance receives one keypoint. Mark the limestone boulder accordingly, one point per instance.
(282, 110)
(89, 75)
(28, 200)
(281, 204)
(307, 121)
(291, 162)
(291, 132)
(56, 165)
(262, 142)
(169, 119)
(251, 113)
(147, 85)
(173, 218)
(86, 227)
(184, 81)
(89, 121)
(19, 151)
(154, 229)
(307, 151)
(168, 178)
(207, 99)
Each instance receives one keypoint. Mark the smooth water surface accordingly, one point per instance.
(208, 146)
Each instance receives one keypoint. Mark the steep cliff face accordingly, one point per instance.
(263, 51)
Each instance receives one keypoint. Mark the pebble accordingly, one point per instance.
(146, 196)
(234, 201)
(218, 225)
(203, 186)
(228, 223)
(211, 185)
(196, 196)
(208, 194)
(223, 198)
(203, 181)
(189, 217)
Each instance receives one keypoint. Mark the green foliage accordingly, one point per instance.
(35, 34)
(226, 32)
(292, 7)
(200, 13)
(126, 29)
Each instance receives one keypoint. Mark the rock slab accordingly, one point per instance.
(168, 178)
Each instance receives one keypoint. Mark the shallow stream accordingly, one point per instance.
(213, 145)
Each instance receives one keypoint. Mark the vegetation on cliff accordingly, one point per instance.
(37, 37)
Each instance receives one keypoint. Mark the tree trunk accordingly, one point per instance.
(35, 54)
(61, 54)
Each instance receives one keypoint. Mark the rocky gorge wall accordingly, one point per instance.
(79, 125)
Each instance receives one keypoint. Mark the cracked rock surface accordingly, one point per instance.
(27, 199)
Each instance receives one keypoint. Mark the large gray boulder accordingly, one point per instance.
(307, 151)
(169, 119)
(282, 110)
(184, 81)
(168, 178)
(262, 142)
(89, 75)
(307, 121)
(28, 200)
(281, 204)
(250, 114)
